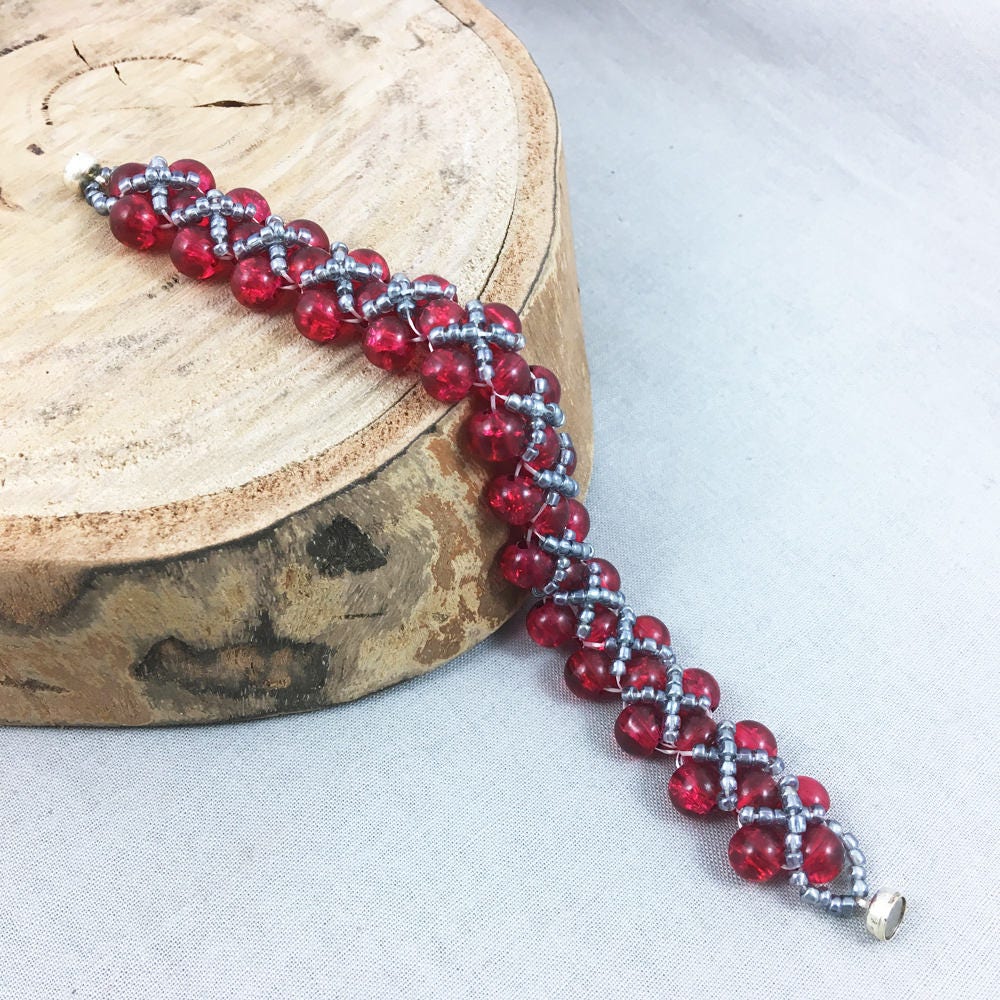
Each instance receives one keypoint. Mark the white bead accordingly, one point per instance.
(77, 168)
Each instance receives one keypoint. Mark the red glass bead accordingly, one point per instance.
(373, 260)
(318, 317)
(552, 520)
(603, 626)
(549, 624)
(193, 255)
(510, 374)
(588, 674)
(752, 735)
(513, 499)
(822, 854)
(694, 787)
(701, 684)
(609, 577)
(303, 260)
(122, 171)
(553, 391)
(756, 853)
(256, 286)
(496, 435)
(697, 726)
(256, 201)
(576, 577)
(812, 793)
(447, 374)
(638, 729)
(134, 223)
(243, 230)
(757, 788)
(577, 518)
(430, 278)
(645, 671)
(497, 312)
(177, 201)
(648, 627)
(548, 450)
(525, 565)
(439, 312)
(206, 179)
(388, 343)
(315, 235)
(370, 291)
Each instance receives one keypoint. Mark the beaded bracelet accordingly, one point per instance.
(782, 820)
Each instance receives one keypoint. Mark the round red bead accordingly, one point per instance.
(553, 390)
(550, 624)
(757, 788)
(576, 577)
(120, 173)
(701, 684)
(243, 230)
(697, 726)
(256, 286)
(603, 626)
(388, 343)
(694, 787)
(578, 518)
(447, 374)
(430, 279)
(638, 729)
(134, 223)
(588, 674)
(510, 374)
(318, 317)
(496, 435)
(812, 793)
(645, 671)
(373, 260)
(257, 202)
(314, 233)
(756, 853)
(548, 450)
(370, 291)
(193, 255)
(648, 627)
(752, 735)
(497, 312)
(177, 201)
(303, 260)
(513, 499)
(608, 576)
(206, 179)
(552, 520)
(439, 312)
(822, 854)
(525, 565)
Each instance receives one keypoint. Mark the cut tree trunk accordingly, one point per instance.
(204, 516)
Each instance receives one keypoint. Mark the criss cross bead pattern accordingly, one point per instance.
(514, 424)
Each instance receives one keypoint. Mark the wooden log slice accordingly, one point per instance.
(204, 516)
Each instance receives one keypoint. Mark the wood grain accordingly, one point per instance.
(202, 515)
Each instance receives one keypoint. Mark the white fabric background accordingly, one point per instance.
(786, 218)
